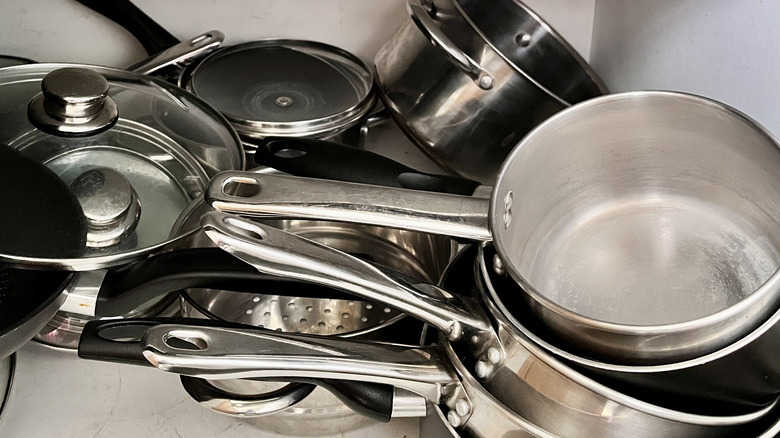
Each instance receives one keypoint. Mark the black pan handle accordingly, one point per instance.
(128, 287)
(373, 400)
(328, 160)
(120, 341)
(153, 37)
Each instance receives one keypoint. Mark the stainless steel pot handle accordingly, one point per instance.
(421, 17)
(254, 194)
(221, 353)
(197, 46)
(276, 252)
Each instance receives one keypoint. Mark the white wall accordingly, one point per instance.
(63, 30)
(728, 50)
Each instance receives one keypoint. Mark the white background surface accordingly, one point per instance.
(728, 50)
(64, 30)
(56, 394)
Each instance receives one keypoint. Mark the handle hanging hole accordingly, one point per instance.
(241, 187)
(185, 341)
(246, 229)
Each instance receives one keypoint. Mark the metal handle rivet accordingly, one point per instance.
(493, 355)
(498, 265)
(523, 39)
(508, 209)
(462, 407)
(481, 369)
(454, 419)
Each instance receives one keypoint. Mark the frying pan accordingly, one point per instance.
(685, 151)
(549, 399)
(305, 89)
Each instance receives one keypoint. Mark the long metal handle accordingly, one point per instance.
(277, 252)
(221, 353)
(421, 18)
(249, 193)
(195, 47)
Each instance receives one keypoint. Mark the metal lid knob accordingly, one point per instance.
(110, 205)
(74, 102)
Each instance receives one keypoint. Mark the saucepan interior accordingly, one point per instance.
(644, 227)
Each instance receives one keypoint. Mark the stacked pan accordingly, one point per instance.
(651, 199)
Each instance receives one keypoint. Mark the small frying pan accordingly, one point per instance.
(305, 88)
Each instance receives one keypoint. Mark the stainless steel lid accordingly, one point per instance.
(134, 150)
(285, 87)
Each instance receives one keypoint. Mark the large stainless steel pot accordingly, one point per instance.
(661, 196)
(549, 399)
(466, 80)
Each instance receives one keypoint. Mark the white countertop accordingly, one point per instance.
(56, 394)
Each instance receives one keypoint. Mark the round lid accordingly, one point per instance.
(285, 87)
(130, 174)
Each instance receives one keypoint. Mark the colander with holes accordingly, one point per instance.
(419, 255)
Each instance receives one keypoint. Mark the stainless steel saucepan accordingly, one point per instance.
(640, 226)
(657, 205)
(548, 399)
(467, 79)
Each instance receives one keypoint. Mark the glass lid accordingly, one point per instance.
(285, 87)
(132, 151)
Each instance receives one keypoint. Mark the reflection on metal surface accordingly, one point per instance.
(74, 102)
(7, 370)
